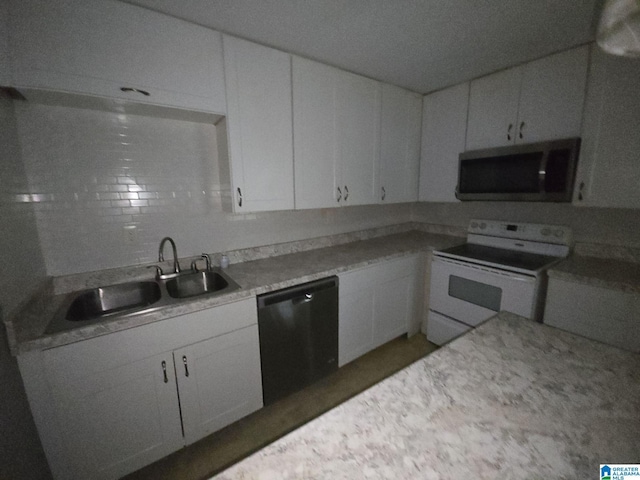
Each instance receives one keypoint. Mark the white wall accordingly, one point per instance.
(21, 455)
(92, 173)
(592, 225)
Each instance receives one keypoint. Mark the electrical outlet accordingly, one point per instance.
(131, 235)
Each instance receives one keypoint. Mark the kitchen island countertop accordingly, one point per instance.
(511, 399)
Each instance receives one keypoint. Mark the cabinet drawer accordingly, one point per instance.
(366, 277)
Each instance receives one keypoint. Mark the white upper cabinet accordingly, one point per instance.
(336, 123)
(314, 139)
(552, 96)
(115, 50)
(609, 165)
(399, 145)
(5, 71)
(444, 127)
(358, 137)
(541, 100)
(259, 122)
(493, 109)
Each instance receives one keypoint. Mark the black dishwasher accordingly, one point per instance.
(298, 336)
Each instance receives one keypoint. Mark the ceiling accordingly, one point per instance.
(422, 45)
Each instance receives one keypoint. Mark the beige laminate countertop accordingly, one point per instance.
(26, 330)
(511, 399)
(599, 272)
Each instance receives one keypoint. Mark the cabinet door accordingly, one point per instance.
(114, 420)
(552, 97)
(259, 120)
(609, 165)
(314, 139)
(355, 313)
(396, 303)
(377, 304)
(444, 128)
(219, 381)
(97, 47)
(5, 72)
(399, 145)
(358, 140)
(493, 109)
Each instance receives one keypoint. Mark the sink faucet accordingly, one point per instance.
(176, 265)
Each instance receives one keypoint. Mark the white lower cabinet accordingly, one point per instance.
(603, 314)
(219, 381)
(110, 405)
(377, 304)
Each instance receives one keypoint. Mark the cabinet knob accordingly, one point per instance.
(239, 196)
(186, 366)
(384, 194)
(346, 193)
(520, 130)
(509, 131)
(164, 371)
(339, 194)
(135, 90)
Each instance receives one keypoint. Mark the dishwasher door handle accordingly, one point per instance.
(306, 298)
(297, 294)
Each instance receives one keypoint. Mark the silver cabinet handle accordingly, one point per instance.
(384, 194)
(339, 194)
(186, 367)
(520, 130)
(135, 90)
(239, 197)
(580, 191)
(164, 371)
(346, 193)
(542, 173)
(509, 131)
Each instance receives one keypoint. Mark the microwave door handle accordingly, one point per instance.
(542, 172)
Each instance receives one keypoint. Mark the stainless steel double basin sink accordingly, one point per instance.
(134, 298)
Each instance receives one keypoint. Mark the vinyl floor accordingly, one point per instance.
(220, 450)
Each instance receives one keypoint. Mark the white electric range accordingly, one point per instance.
(501, 267)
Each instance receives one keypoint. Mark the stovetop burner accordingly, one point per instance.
(500, 257)
(519, 247)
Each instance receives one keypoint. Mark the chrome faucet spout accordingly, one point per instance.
(176, 265)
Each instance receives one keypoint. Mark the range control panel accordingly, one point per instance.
(534, 232)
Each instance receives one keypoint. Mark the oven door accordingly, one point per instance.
(473, 293)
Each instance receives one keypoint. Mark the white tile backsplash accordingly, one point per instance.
(93, 173)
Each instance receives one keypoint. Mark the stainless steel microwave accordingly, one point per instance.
(536, 172)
